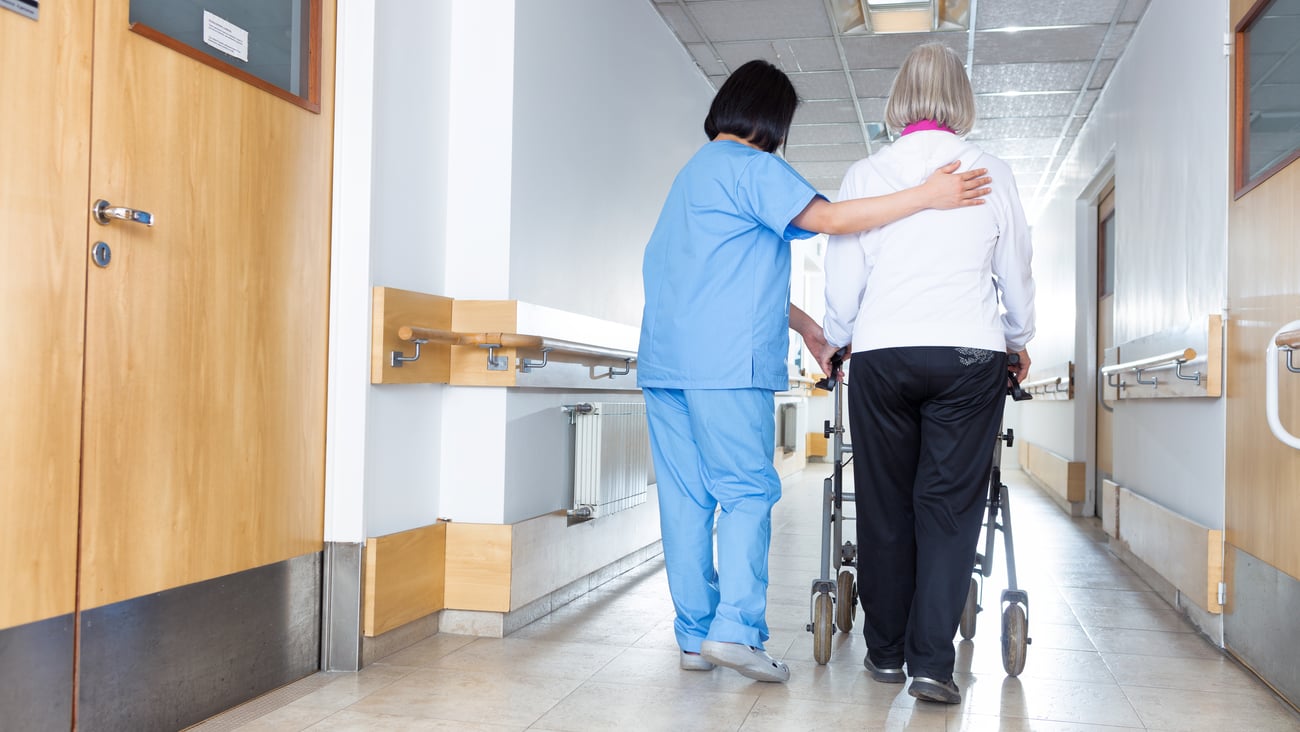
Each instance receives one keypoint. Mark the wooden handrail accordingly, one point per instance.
(428, 335)
(1288, 339)
(597, 355)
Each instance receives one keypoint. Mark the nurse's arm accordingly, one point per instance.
(804, 325)
(942, 190)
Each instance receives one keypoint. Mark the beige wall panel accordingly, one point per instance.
(1110, 507)
(1061, 476)
(206, 346)
(1187, 554)
(404, 577)
(392, 309)
(478, 567)
(44, 167)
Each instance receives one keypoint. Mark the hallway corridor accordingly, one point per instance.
(1107, 654)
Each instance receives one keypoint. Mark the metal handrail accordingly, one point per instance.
(1165, 359)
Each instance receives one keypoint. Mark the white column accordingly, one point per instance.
(481, 128)
(349, 345)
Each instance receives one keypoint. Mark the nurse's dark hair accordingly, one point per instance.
(755, 103)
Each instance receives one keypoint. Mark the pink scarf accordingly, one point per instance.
(925, 124)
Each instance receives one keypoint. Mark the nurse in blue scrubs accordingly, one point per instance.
(714, 339)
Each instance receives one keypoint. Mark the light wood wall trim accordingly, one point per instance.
(1214, 357)
(1187, 554)
(404, 578)
(1061, 476)
(818, 445)
(469, 363)
(391, 310)
(478, 567)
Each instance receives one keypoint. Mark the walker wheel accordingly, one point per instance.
(823, 628)
(1015, 638)
(968, 613)
(846, 602)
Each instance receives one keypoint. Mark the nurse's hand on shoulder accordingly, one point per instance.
(946, 189)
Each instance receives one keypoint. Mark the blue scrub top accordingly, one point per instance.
(717, 273)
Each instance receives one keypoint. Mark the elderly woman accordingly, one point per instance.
(932, 305)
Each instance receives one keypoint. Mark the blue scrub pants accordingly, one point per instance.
(713, 447)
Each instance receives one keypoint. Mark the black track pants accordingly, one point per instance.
(924, 421)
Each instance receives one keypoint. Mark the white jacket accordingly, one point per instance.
(933, 278)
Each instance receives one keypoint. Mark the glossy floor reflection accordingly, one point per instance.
(1107, 654)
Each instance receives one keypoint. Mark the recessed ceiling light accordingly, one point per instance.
(900, 16)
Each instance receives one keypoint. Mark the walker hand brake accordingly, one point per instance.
(1013, 384)
(837, 360)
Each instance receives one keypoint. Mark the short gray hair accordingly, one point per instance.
(932, 84)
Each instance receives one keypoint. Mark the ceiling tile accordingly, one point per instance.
(703, 56)
(1029, 147)
(822, 112)
(1040, 45)
(1022, 14)
(736, 53)
(1016, 127)
(846, 132)
(821, 85)
(834, 170)
(826, 153)
(790, 56)
(1118, 40)
(1076, 124)
(1133, 11)
(717, 80)
(1102, 74)
(873, 82)
(680, 23)
(1034, 105)
(888, 51)
(829, 186)
(748, 20)
(1023, 167)
(1029, 77)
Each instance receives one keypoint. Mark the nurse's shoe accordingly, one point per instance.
(747, 660)
(695, 662)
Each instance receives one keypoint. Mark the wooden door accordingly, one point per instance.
(44, 159)
(206, 337)
(1105, 333)
(162, 419)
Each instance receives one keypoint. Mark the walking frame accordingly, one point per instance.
(834, 601)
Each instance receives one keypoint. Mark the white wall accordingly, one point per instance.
(409, 211)
(519, 151)
(607, 108)
(1163, 119)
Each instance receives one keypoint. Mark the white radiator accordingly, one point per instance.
(611, 458)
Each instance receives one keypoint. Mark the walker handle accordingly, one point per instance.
(837, 360)
(1013, 384)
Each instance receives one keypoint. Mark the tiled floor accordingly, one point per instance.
(1107, 654)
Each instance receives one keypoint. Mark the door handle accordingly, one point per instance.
(105, 212)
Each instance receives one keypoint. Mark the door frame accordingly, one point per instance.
(1085, 332)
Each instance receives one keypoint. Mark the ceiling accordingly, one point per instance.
(1037, 68)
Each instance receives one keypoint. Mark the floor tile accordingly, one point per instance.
(595, 706)
(1176, 709)
(525, 657)
(353, 721)
(469, 696)
(1192, 674)
(825, 716)
(1150, 643)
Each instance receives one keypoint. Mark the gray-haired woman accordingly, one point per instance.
(932, 304)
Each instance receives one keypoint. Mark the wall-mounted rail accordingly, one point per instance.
(1182, 362)
(1056, 383)
(1286, 339)
(428, 339)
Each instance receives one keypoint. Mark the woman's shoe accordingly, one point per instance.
(884, 675)
(695, 662)
(944, 692)
(747, 660)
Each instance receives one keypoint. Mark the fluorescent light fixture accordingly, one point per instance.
(900, 16)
